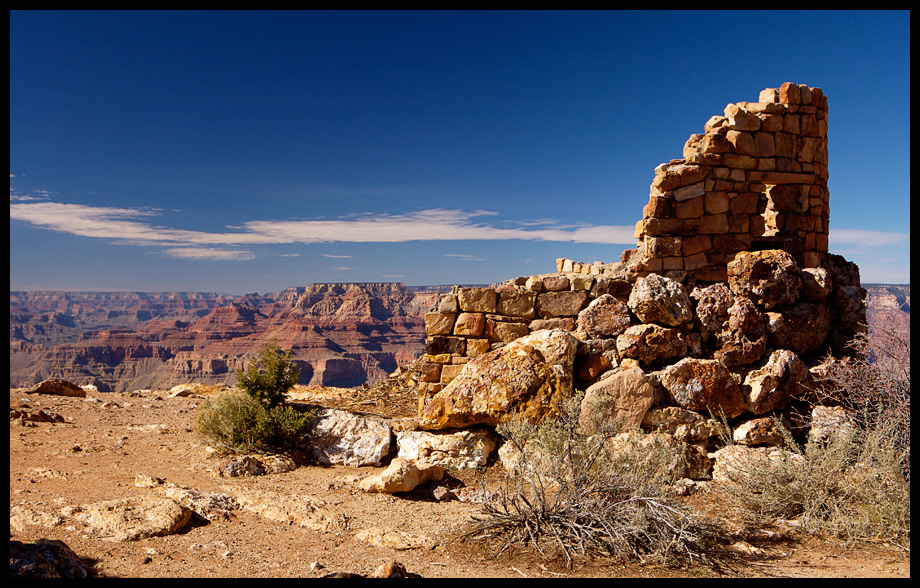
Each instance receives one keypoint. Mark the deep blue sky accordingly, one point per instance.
(252, 151)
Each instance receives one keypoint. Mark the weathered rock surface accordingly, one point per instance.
(46, 558)
(660, 300)
(770, 386)
(58, 388)
(402, 476)
(617, 402)
(466, 449)
(704, 385)
(528, 377)
(605, 316)
(345, 438)
(133, 518)
(770, 278)
(682, 424)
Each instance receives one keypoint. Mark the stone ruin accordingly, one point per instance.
(726, 306)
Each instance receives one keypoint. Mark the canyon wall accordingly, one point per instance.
(339, 334)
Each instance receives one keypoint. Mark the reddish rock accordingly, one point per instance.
(705, 385)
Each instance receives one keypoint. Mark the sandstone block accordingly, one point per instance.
(713, 224)
(657, 299)
(476, 347)
(741, 142)
(438, 323)
(470, 324)
(505, 331)
(741, 120)
(555, 283)
(617, 402)
(604, 317)
(441, 344)
(703, 384)
(517, 303)
(564, 323)
(477, 299)
(559, 304)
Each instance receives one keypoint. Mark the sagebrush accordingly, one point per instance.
(574, 495)
(234, 422)
(855, 483)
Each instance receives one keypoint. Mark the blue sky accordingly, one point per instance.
(248, 152)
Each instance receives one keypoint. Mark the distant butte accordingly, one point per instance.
(340, 334)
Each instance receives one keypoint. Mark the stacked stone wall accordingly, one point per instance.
(755, 179)
(731, 284)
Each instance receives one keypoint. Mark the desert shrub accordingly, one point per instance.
(848, 486)
(252, 418)
(854, 484)
(874, 387)
(569, 494)
(234, 422)
(270, 377)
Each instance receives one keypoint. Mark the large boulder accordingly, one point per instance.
(466, 449)
(618, 401)
(58, 388)
(703, 384)
(650, 344)
(402, 476)
(661, 300)
(779, 378)
(339, 437)
(528, 377)
(605, 316)
(770, 278)
(131, 519)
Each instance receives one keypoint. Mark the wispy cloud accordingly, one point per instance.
(465, 257)
(135, 226)
(209, 254)
(864, 238)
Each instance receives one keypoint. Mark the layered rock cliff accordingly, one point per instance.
(339, 334)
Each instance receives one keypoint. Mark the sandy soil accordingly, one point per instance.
(110, 439)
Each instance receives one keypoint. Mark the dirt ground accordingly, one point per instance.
(107, 440)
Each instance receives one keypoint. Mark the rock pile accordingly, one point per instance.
(728, 299)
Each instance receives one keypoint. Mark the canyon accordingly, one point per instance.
(339, 334)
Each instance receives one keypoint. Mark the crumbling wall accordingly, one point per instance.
(727, 304)
(755, 179)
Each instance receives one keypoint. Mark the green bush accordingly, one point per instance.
(234, 422)
(252, 418)
(269, 379)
